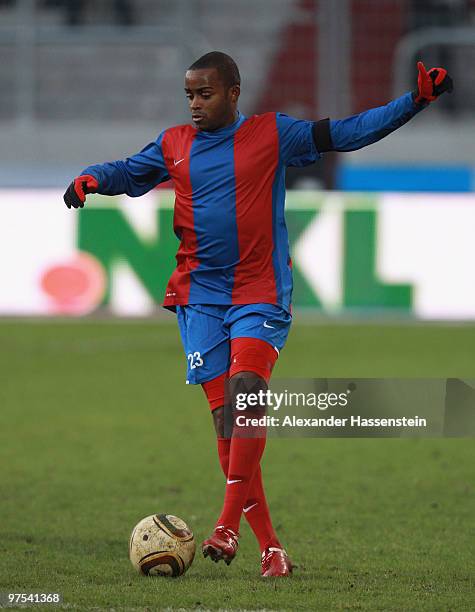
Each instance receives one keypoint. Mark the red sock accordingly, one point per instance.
(255, 509)
(244, 457)
(257, 514)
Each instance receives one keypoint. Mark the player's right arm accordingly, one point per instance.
(133, 176)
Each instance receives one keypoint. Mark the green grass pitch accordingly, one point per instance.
(98, 429)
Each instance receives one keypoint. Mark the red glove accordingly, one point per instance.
(431, 84)
(75, 195)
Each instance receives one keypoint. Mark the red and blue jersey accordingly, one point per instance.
(230, 196)
(229, 205)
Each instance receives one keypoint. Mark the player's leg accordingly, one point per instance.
(242, 465)
(244, 488)
(274, 559)
(248, 441)
(255, 509)
(252, 359)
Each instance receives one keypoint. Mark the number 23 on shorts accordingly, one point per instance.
(195, 360)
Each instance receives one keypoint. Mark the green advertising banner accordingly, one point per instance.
(404, 254)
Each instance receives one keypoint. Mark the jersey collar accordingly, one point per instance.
(229, 129)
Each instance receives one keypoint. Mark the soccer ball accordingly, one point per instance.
(161, 545)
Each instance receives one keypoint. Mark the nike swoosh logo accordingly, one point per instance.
(270, 326)
(179, 161)
(233, 481)
(249, 507)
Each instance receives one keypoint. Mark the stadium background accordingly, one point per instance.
(94, 410)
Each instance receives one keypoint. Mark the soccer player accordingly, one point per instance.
(231, 289)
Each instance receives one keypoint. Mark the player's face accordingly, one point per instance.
(211, 103)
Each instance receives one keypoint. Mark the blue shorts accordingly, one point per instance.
(207, 329)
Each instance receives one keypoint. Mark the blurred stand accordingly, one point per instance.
(446, 13)
(71, 96)
(441, 14)
(75, 10)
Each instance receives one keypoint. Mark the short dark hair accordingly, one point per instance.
(224, 64)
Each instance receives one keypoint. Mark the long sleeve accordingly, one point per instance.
(365, 128)
(134, 176)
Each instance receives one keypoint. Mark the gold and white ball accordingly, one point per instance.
(162, 545)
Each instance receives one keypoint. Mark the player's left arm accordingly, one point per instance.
(372, 125)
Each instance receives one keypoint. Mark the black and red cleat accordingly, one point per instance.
(222, 544)
(275, 562)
